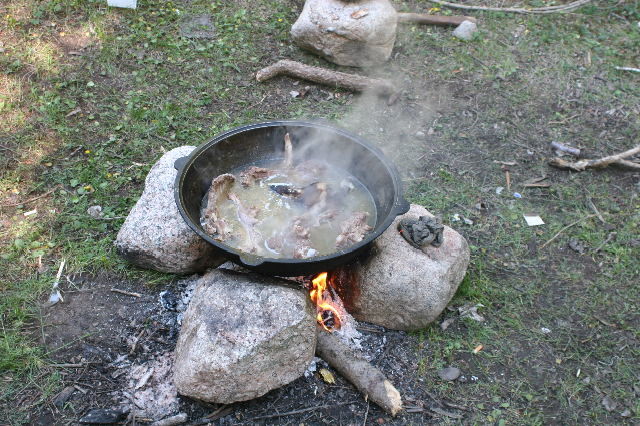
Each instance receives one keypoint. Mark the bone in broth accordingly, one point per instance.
(281, 210)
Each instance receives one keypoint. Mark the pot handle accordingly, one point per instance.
(402, 206)
(180, 162)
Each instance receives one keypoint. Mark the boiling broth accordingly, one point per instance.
(276, 213)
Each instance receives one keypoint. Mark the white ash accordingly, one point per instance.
(347, 332)
(150, 388)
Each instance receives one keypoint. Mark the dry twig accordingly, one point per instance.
(547, 9)
(581, 165)
(565, 228)
(126, 293)
(628, 69)
(327, 77)
(423, 18)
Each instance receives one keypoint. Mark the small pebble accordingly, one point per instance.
(465, 30)
(95, 211)
(449, 373)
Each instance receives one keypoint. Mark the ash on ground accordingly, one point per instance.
(127, 361)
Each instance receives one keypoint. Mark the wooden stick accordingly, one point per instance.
(326, 77)
(368, 379)
(565, 228)
(443, 21)
(548, 9)
(126, 293)
(600, 162)
(628, 69)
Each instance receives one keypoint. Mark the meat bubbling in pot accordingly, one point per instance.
(280, 210)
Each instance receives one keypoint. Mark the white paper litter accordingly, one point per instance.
(533, 220)
(127, 4)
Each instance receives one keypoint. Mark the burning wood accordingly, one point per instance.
(327, 315)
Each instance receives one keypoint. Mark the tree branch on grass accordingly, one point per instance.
(580, 165)
(327, 77)
(547, 9)
(423, 18)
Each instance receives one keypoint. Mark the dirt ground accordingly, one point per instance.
(91, 96)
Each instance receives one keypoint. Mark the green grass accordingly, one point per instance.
(138, 88)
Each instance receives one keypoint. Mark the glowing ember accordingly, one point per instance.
(327, 315)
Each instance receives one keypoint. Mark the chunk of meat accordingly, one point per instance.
(353, 230)
(211, 221)
(247, 216)
(253, 173)
(293, 242)
(307, 172)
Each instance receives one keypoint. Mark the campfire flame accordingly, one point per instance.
(327, 315)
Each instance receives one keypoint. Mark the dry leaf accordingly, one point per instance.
(327, 376)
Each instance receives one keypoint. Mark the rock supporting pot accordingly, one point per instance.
(242, 336)
(399, 286)
(154, 235)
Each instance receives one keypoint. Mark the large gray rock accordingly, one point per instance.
(399, 286)
(154, 235)
(359, 34)
(242, 336)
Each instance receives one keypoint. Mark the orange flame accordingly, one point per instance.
(327, 316)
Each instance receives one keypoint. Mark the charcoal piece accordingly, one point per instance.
(103, 416)
(168, 300)
(426, 230)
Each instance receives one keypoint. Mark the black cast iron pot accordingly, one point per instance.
(256, 143)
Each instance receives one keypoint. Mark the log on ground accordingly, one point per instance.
(327, 77)
(364, 376)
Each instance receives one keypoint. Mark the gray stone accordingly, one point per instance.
(449, 373)
(356, 34)
(465, 30)
(154, 235)
(401, 287)
(242, 336)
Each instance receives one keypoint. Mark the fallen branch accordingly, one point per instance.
(565, 148)
(326, 77)
(565, 228)
(548, 9)
(423, 18)
(368, 379)
(628, 69)
(600, 162)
